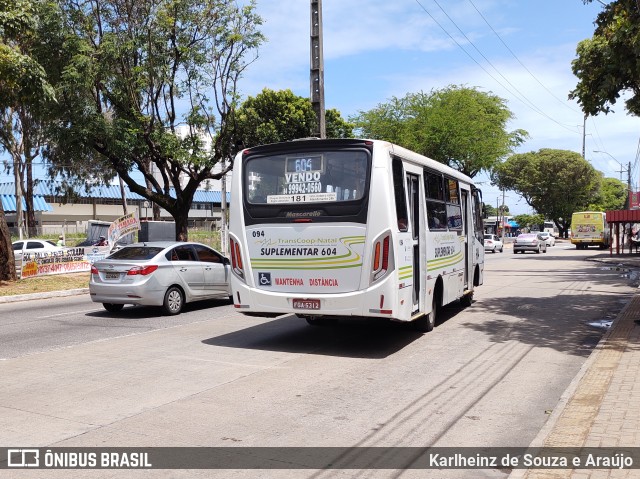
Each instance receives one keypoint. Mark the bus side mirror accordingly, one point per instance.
(484, 210)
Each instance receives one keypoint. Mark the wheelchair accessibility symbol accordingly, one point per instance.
(264, 279)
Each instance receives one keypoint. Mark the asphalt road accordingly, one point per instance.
(72, 374)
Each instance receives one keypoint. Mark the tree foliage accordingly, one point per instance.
(133, 73)
(608, 64)
(24, 90)
(612, 195)
(529, 221)
(25, 94)
(459, 126)
(555, 183)
(273, 116)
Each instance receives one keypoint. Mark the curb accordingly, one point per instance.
(568, 393)
(49, 294)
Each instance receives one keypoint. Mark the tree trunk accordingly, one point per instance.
(18, 189)
(7, 260)
(28, 199)
(182, 224)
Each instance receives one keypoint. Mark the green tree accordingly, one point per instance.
(337, 127)
(23, 90)
(490, 210)
(529, 221)
(23, 108)
(135, 72)
(611, 196)
(274, 116)
(458, 126)
(608, 64)
(555, 183)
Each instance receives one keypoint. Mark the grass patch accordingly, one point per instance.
(44, 284)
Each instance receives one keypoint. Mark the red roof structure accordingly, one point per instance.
(623, 216)
(615, 218)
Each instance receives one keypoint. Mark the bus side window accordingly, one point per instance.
(400, 194)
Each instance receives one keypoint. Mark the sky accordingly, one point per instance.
(518, 50)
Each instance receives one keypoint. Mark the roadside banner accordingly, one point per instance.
(71, 260)
(123, 226)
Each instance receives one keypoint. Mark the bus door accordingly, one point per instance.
(467, 231)
(413, 190)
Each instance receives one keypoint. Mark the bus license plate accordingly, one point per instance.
(306, 303)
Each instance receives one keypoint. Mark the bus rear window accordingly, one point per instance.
(307, 177)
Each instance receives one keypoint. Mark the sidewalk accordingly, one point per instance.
(601, 407)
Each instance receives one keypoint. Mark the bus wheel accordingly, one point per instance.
(320, 320)
(426, 322)
(467, 299)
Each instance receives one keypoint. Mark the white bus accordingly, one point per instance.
(363, 228)
(551, 228)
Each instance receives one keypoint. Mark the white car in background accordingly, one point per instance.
(34, 246)
(493, 243)
(548, 238)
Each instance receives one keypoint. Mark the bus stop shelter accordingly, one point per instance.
(620, 222)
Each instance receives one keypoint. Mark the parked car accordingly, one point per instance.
(164, 273)
(493, 243)
(529, 242)
(548, 238)
(33, 246)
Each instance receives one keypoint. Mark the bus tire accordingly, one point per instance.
(466, 299)
(426, 322)
(320, 320)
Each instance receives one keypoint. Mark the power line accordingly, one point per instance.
(520, 62)
(527, 102)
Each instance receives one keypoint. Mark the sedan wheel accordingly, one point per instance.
(113, 308)
(173, 301)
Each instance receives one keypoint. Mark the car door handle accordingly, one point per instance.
(183, 269)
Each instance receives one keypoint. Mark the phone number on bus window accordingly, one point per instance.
(303, 188)
(301, 198)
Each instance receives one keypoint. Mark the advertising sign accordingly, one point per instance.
(123, 226)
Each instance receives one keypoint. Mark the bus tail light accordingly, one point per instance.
(381, 253)
(236, 258)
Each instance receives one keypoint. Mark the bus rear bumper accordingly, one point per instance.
(375, 302)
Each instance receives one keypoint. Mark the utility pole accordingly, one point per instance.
(503, 221)
(584, 134)
(627, 201)
(317, 68)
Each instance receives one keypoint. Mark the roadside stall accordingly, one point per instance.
(624, 226)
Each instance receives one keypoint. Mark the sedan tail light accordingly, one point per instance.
(94, 270)
(142, 270)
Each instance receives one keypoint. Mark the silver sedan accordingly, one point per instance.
(167, 274)
(529, 242)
